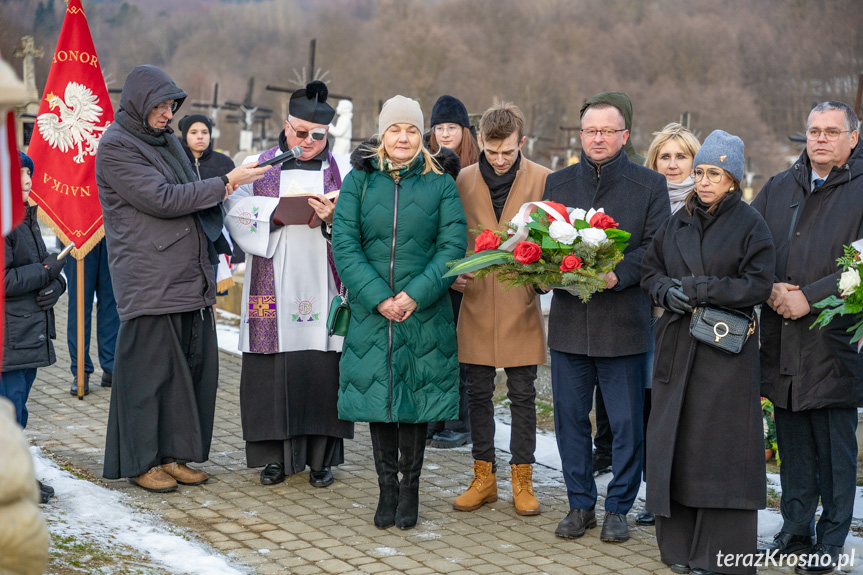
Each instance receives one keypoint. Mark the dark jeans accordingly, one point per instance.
(522, 396)
(97, 281)
(819, 460)
(573, 379)
(15, 385)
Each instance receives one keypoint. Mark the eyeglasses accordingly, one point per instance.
(714, 176)
(450, 129)
(831, 134)
(607, 133)
(316, 134)
(165, 106)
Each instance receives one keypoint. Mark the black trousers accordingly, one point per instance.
(819, 461)
(694, 536)
(522, 396)
(462, 424)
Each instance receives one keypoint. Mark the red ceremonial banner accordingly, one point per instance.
(74, 112)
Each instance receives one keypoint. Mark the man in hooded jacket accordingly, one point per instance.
(163, 229)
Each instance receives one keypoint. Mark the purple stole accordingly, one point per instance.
(263, 323)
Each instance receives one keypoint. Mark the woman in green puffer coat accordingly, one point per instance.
(398, 221)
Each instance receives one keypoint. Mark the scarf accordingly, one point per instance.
(677, 192)
(172, 152)
(499, 185)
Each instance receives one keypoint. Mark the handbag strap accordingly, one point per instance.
(343, 291)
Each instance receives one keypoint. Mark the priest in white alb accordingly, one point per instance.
(290, 375)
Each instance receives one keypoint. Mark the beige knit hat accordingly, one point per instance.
(400, 110)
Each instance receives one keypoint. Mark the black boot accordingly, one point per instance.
(412, 446)
(385, 447)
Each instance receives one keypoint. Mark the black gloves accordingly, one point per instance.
(49, 295)
(53, 265)
(676, 300)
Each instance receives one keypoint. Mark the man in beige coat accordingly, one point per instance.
(500, 326)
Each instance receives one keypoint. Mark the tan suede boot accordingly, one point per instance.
(185, 474)
(155, 480)
(525, 501)
(483, 488)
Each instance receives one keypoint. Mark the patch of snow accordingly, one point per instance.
(388, 551)
(85, 510)
(228, 336)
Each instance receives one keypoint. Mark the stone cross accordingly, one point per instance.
(28, 51)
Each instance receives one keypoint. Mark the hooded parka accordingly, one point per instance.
(29, 329)
(705, 438)
(809, 230)
(150, 218)
(397, 236)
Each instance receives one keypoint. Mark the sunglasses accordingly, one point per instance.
(316, 134)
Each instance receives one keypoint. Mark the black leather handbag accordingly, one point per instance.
(721, 327)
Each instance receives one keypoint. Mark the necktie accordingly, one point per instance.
(818, 182)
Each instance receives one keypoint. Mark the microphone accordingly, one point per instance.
(294, 152)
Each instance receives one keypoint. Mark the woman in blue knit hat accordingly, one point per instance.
(705, 443)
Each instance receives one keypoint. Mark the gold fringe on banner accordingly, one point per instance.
(77, 253)
(225, 284)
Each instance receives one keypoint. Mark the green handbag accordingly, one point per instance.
(340, 315)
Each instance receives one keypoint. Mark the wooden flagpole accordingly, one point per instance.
(79, 282)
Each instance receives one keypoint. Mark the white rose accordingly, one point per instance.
(592, 236)
(849, 281)
(577, 214)
(562, 232)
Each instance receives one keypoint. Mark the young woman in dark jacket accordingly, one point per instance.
(197, 141)
(33, 285)
(705, 439)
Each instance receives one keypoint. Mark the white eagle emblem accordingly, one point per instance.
(76, 126)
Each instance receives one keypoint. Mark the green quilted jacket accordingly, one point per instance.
(398, 237)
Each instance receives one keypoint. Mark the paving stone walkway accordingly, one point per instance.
(296, 528)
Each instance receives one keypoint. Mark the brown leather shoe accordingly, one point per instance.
(185, 474)
(523, 497)
(482, 489)
(155, 480)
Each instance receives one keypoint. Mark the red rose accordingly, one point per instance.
(570, 263)
(602, 221)
(487, 240)
(526, 252)
(561, 209)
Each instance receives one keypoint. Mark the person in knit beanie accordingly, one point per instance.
(398, 221)
(451, 128)
(34, 284)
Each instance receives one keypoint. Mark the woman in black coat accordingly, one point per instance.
(705, 436)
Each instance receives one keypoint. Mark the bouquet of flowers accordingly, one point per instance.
(552, 246)
(850, 300)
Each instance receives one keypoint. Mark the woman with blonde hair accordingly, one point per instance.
(671, 153)
(398, 221)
